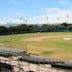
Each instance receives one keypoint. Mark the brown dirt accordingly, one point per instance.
(36, 39)
(42, 38)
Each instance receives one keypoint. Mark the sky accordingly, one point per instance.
(35, 11)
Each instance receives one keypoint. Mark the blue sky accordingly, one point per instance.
(35, 9)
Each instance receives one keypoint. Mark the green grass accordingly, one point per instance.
(54, 46)
(47, 52)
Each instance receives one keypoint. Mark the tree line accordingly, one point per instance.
(32, 28)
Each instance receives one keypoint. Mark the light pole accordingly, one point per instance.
(47, 19)
(67, 18)
(26, 21)
(20, 20)
(23, 21)
(58, 20)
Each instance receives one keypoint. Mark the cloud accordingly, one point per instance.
(51, 10)
(19, 14)
(65, 2)
(55, 15)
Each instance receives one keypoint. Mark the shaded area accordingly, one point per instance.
(6, 66)
(63, 66)
(38, 60)
(32, 28)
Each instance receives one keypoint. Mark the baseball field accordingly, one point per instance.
(50, 44)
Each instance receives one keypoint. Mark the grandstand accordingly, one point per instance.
(10, 65)
(30, 63)
(7, 52)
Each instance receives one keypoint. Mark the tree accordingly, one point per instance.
(4, 30)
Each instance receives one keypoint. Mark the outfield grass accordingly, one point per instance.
(54, 46)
